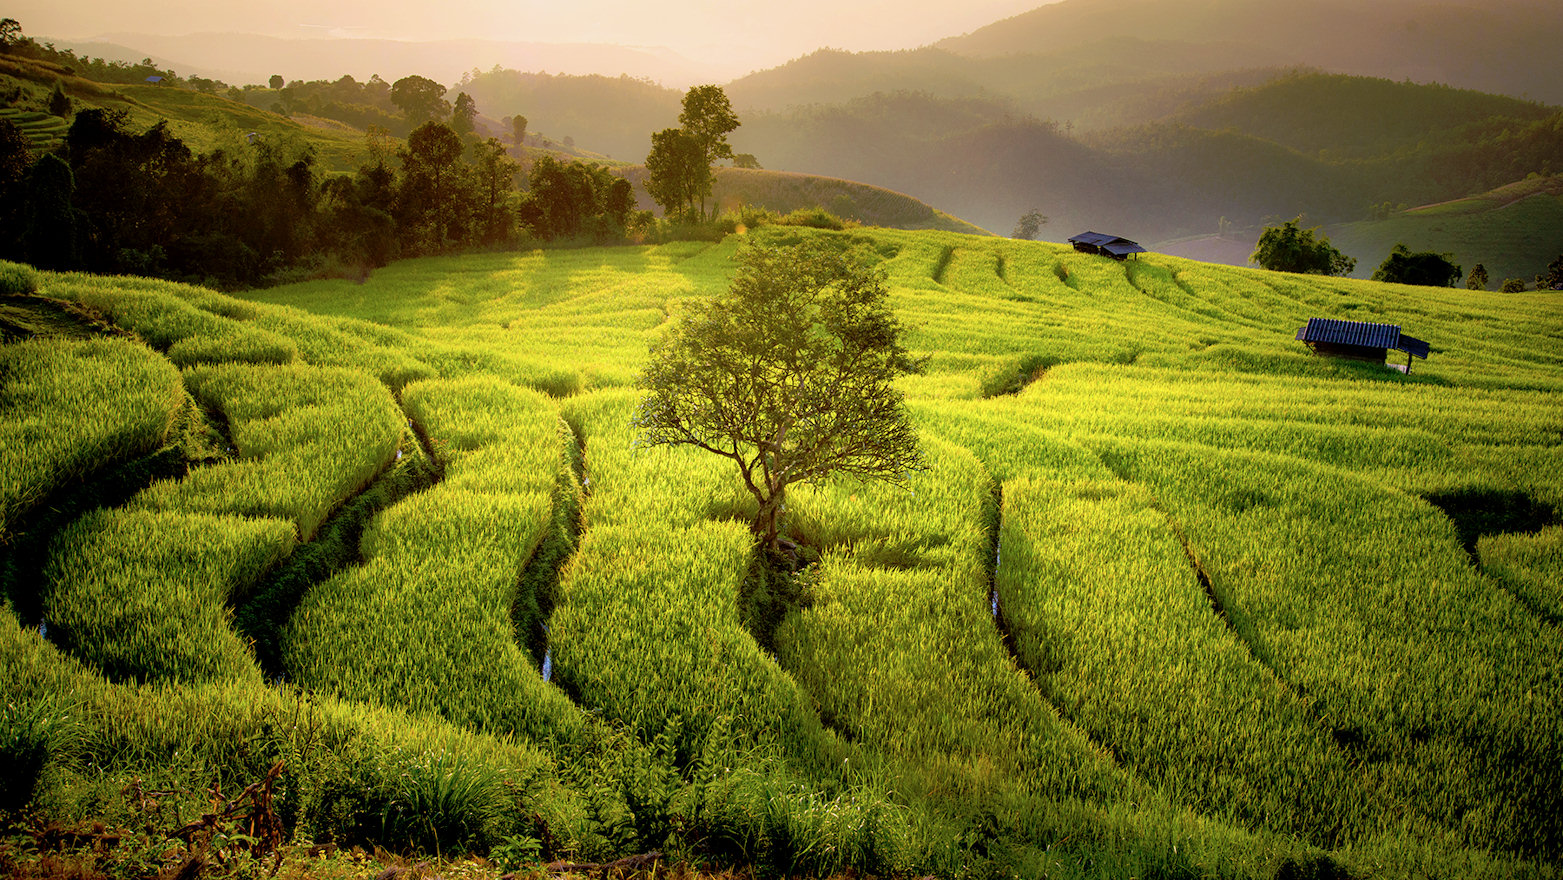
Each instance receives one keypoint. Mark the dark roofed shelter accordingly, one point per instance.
(1360, 340)
(1113, 246)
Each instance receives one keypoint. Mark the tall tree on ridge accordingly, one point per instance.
(678, 174)
(464, 116)
(708, 119)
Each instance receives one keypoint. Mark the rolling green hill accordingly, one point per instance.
(614, 116)
(1514, 231)
(1254, 155)
(1353, 117)
(1466, 44)
(202, 121)
(784, 192)
(1172, 597)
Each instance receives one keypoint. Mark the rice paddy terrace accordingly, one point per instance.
(1173, 597)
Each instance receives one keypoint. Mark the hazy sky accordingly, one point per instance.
(770, 31)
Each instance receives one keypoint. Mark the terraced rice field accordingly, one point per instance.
(41, 130)
(1172, 598)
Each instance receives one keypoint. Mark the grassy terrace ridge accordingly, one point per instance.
(202, 121)
(1173, 598)
(1514, 231)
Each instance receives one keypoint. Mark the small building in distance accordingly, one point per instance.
(155, 80)
(1114, 246)
(1360, 340)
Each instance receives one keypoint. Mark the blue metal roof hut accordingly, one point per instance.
(1360, 340)
(1113, 246)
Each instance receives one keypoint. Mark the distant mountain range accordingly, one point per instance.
(1503, 46)
(239, 59)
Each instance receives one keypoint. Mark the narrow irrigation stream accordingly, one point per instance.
(538, 590)
(995, 600)
(335, 546)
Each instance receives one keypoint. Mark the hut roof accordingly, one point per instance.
(1333, 330)
(1116, 245)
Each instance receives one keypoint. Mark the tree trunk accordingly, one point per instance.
(767, 522)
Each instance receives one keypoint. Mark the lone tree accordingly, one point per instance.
(790, 374)
(1029, 224)
(681, 159)
(1425, 268)
(1290, 248)
(677, 174)
(59, 102)
(10, 32)
(709, 118)
(1478, 279)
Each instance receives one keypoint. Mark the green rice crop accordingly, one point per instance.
(185, 333)
(647, 629)
(1383, 683)
(1529, 564)
(435, 594)
(144, 595)
(1104, 607)
(346, 765)
(304, 439)
(1361, 599)
(67, 408)
(902, 600)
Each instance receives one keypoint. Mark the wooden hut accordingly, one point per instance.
(1360, 340)
(1114, 246)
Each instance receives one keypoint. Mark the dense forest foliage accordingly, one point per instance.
(114, 200)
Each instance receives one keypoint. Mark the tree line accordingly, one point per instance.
(112, 200)
(1290, 248)
(256, 209)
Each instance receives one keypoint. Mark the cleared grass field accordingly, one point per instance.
(1173, 598)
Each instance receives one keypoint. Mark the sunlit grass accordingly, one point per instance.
(1099, 435)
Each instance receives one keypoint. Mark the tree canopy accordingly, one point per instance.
(678, 176)
(1029, 224)
(790, 374)
(464, 116)
(1552, 279)
(680, 161)
(1424, 268)
(708, 117)
(1478, 278)
(420, 99)
(1290, 248)
(10, 32)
